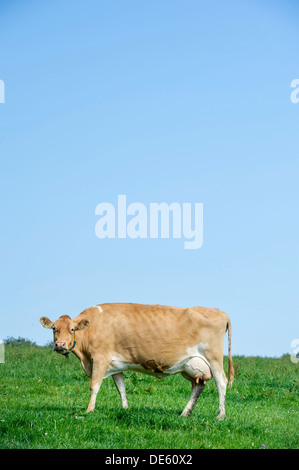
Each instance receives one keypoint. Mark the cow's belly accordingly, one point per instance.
(118, 365)
(191, 367)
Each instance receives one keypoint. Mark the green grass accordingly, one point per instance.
(43, 399)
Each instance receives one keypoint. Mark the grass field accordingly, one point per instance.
(43, 399)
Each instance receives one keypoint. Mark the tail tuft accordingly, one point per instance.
(231, 371)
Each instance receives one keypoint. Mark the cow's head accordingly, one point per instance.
(64, 330)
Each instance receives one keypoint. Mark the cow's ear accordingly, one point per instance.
(46, 322)
(82, 324)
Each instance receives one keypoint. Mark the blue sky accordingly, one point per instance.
(162, 101)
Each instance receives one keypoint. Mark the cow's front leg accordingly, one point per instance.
(98, 371)
(121, 387)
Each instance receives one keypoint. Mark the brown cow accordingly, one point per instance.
(152, 339)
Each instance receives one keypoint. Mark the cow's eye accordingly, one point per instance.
(54, 328)
(72, 330)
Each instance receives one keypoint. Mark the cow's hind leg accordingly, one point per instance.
(197, 388)
(121, 387)
(221, 382)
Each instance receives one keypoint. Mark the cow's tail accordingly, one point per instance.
(231, 372)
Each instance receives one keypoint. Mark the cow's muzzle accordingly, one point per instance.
(60, 346)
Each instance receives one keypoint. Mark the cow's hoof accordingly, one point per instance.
(221, 416)
(185, 413)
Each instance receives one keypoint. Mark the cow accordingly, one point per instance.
(158, 340)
